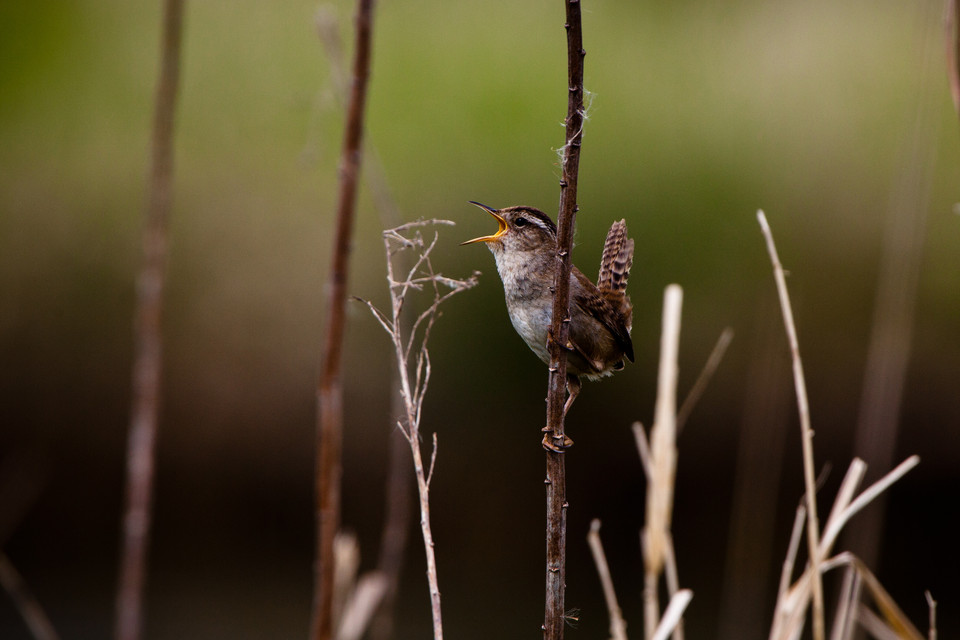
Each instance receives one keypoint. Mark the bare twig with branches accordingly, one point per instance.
(413, 361)
(147, 339)
(556, 534)
(330, 386)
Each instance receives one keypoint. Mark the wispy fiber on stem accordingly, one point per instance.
(556, 489)
(330, 386)
(147, 339)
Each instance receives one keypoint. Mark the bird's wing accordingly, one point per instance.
(599, 307)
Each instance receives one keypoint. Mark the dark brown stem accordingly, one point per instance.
(398, 497)
(556, 472)
(330, 387)
(147, 339)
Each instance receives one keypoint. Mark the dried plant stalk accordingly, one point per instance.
(618, 626)
(663, 447)
(663, 459)
(673, 616)
(806, 432)
(413, 362)
(792, 601)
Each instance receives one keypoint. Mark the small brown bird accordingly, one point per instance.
(601, 316)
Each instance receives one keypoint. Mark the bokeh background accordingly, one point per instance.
(701, 114)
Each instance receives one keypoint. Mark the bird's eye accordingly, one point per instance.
(520, 222)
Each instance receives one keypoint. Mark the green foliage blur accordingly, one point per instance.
(699, 114)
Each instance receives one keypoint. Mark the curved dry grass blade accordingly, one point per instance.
(813, 534)
(643, 447)
(706, 374)
(618, 626)
(783, 608)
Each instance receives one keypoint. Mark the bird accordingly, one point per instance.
(601, 315)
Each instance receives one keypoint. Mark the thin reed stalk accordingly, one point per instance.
(148, 347)
(330, 386)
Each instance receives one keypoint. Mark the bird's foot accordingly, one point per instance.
(552, 442)
(568, 346)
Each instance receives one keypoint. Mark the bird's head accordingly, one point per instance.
(521, 229)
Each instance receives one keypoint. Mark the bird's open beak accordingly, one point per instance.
(500, 221)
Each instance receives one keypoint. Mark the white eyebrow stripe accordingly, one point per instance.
(537, 221)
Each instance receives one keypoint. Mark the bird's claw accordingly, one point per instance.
(550, 340)
(555, 443)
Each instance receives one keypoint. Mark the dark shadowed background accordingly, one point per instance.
(701, 113)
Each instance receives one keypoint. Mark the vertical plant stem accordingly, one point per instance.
(813, 527)
(397, 486)
(147, 339)
(330, 387)
(556, 470)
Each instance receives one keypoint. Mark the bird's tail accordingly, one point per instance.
(615, 263)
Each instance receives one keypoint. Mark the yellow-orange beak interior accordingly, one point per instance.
(500, 221)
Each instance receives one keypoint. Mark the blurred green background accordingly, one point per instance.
(701, 113)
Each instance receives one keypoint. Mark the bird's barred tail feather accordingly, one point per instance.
(616, 262)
